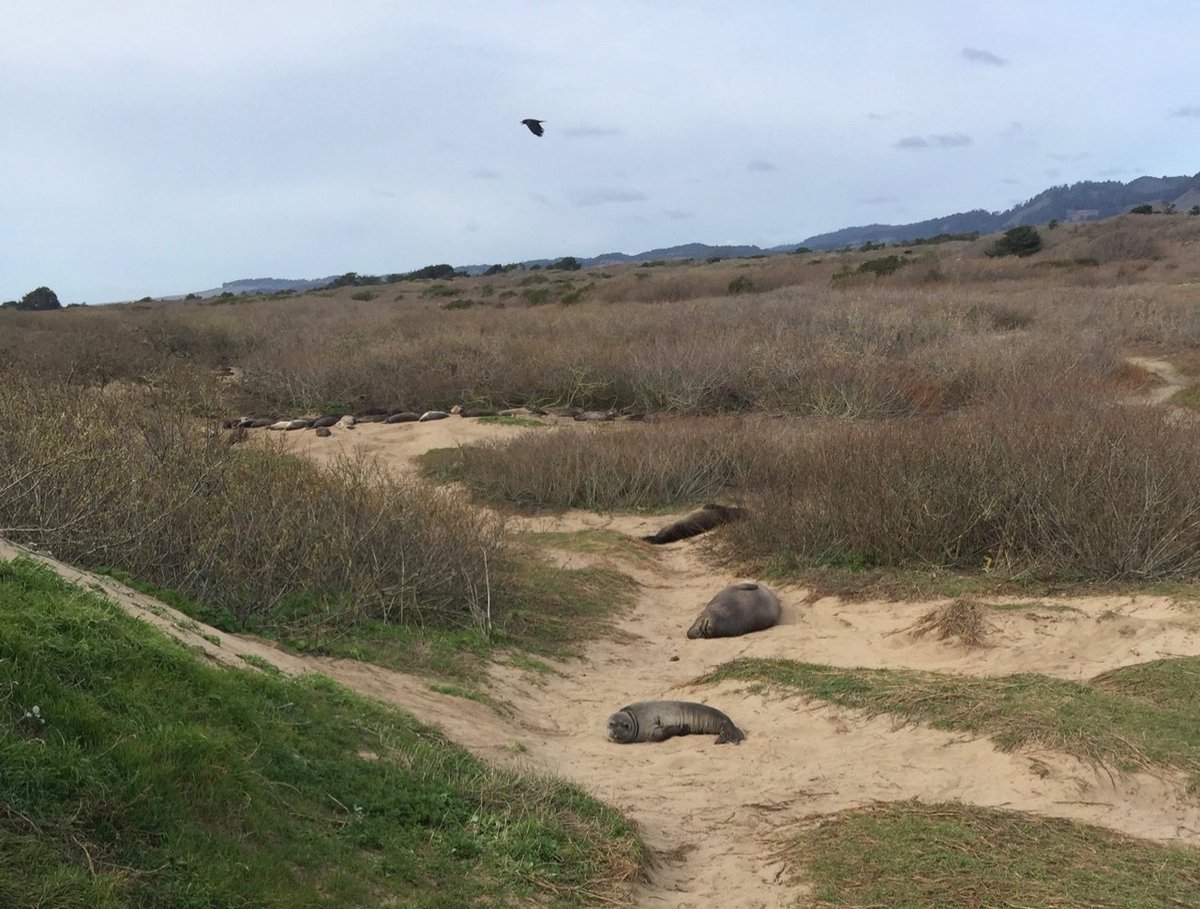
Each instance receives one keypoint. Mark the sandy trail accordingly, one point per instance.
(1171, 379)
(714, 817)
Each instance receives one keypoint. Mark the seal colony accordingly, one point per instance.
(655, 721)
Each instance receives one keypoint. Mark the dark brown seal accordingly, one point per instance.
(736, 610)
(653, 721)
(406, 416)
(329, 419)
(697, 522)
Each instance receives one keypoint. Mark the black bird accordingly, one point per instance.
(535, 126)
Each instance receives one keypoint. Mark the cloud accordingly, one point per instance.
(975, 55)
(877, 200)
(1070, 158)
(1191, 110)
(603, 196)
(677, 215)
(936, 140)
(539, 199)
(485, 173)
(592, 132)
(759, 166)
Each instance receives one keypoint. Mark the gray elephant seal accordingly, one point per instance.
(697, 522)
(432, 415)
(654, 721)
(736, 610)
(406, 416)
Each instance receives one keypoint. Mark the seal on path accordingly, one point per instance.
(697, 522)
(736, 610)
(654, 721)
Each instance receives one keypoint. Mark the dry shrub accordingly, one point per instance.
(1125, 244)
(961, 619)
(892, 346)
(633, 466)
(135, 484)
(1065, 486)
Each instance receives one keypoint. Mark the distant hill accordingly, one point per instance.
(265, 286)
(1084, 201)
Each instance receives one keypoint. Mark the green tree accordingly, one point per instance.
(1142, 210)
(40, 298)
(1018, 241)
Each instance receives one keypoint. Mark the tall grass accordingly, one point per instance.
(1062, 489)
(1051, 485)
(674, 340)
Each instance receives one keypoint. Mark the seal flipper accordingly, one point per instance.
(729, 733)
(662, 733)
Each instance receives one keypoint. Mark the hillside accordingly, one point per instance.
(1084, 201)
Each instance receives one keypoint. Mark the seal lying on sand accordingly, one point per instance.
(736, 610)
(654, 721)
(697, 522)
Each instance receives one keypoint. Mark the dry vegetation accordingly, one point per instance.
(958, 412)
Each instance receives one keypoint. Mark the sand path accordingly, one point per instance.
(714, 817)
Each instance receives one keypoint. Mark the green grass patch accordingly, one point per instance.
(469, 694)
(606, 543)
(1172, 684)
(531, 664)
(562, 608)
(149, 778)
(1097, 723)
(910, 855)
(451, 655)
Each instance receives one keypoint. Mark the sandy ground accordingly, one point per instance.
(715, 816)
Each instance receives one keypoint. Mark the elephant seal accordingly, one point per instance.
(477, 412)
(406, 416)
(329, 419)
(697, 522)
(736, 610)
(432, 415)
(596, 416)
(654, 721)
(323, 432)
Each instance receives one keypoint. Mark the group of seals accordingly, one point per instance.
(654, 721)
(738, 609)
(697, 522)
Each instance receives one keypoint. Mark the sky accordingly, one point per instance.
(157, 148)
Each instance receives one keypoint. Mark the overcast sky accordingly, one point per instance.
(152, 148)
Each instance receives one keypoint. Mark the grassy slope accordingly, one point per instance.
(156, 780)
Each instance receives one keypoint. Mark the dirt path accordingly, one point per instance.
(714, 817)
(1171, 379)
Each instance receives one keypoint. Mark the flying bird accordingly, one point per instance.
(535, 126)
